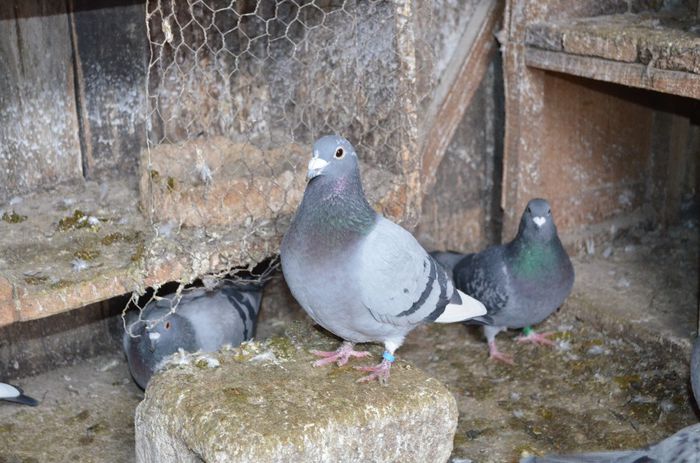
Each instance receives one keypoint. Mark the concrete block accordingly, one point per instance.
(264, 402)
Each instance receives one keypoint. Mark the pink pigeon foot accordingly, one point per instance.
(498, 356)
(340, 356)
(541, 339)
(379, 372)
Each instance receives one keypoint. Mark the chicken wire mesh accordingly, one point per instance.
(238, 90)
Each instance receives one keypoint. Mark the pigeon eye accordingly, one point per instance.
(529, 211)
(339, 153)
(167, 325)
(549, 212)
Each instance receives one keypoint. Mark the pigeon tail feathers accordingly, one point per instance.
(464, 308)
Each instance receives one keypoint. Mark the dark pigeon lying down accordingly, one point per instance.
(522, 282)
(357, 274)
(204, 320)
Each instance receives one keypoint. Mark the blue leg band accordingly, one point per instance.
(388, 357)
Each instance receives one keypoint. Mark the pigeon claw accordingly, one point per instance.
(541, 339)
(498, 356)
(379, 372)
(339, 356)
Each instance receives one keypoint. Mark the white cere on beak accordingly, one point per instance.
(154, 336)
(539, 221)
(316, 166)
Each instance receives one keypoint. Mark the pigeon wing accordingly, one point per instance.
(401, 284)
(484, 276)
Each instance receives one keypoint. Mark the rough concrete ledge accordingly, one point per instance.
(264, 402)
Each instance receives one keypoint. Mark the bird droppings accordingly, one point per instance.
(207, 361)
(13, 217)
(138, 254)
(86, 254)
(76, 221)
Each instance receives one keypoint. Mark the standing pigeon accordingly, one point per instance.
(357, 274)
(203, 320)
(522, 282)
(14, 394)
(683, 446)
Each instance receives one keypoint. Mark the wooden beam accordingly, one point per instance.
(630, 74)
(456, 89)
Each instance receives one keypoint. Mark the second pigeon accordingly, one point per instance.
(203, 320)
(521, 282)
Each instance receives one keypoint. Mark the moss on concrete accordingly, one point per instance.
(266, 402)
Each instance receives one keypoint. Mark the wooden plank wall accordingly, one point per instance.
(72, 87)
(110, 47)
(585, 145)
(39, 143)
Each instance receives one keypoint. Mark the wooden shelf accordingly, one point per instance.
(236, 220)
(654, 52)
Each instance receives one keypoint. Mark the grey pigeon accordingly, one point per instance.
(11, 393)
(681, 447)
(522, 282)
(203, 320)
(357, 274)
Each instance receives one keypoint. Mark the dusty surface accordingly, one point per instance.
(662, 41)
(265, 402)
(618, 376)
(86, 414)
(646, 279)
(592, 391)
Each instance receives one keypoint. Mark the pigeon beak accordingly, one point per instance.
(153, 337)
(316, 166)
(539, 221)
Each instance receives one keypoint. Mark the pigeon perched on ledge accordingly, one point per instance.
(14, 394)
(203, 320)
(522, 282)
(357, 274)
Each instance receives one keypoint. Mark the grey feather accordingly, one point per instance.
(522, 282)
(357, 274)
(203, 320)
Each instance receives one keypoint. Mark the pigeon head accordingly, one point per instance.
(166, 334)
(537, 221)
(333, 156)
(153, 339)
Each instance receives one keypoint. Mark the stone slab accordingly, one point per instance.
(266, 403)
